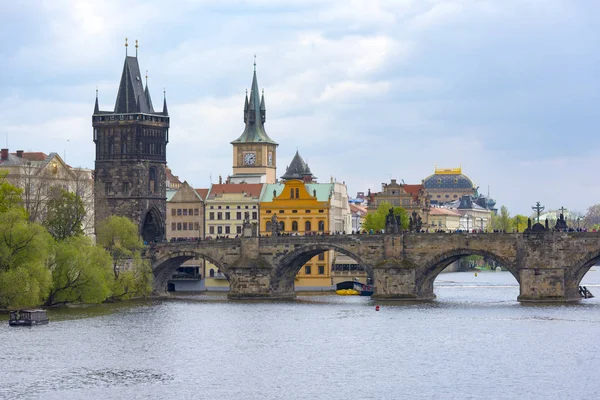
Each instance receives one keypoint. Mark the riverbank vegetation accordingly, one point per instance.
(53, 263)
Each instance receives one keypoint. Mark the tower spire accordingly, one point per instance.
(136, 47)
(126, 45)
(165, 110)
(96, 108)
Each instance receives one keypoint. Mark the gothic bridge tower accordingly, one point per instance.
(131, 141)
(254, 152)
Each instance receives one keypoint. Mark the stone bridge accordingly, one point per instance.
(547, 265)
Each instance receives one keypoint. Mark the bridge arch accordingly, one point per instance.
(436, 265)
(286, 269)
(167, 263)
(582, 266)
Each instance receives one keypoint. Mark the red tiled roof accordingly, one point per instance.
(172, 178)
(253, 189)
(413, 190)
(202, 193)
(33, 156)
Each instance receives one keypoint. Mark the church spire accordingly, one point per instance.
(131, 96)
(147, 93)
(254, 116)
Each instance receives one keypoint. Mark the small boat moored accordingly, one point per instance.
(28, 318)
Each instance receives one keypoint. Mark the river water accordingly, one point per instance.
(474, 342)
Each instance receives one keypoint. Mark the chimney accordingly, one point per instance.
(20, 153)
(4, 155)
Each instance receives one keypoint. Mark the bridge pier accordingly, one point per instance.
(250, 279)
(546, 285)
(398, 280)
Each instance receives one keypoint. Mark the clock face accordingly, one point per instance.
(249, 158)
(270, 159)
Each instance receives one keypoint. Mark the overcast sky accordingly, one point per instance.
(365, 90)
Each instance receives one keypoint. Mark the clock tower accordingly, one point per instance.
(254, 152)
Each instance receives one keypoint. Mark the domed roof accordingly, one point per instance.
(448, 179)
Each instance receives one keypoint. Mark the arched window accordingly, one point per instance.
(282, 226)
(295, 226)
(291, 193)
(212, 273)
(297, 193)
(321, 225)
(307, 226)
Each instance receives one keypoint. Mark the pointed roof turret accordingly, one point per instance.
(254, 117)
(165, 110)
(298, 169)
(147, 91)
(131, 96)
(262, 101)
(96, 108)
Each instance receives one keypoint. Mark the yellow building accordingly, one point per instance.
(300, 207)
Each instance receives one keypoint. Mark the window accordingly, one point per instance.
(321, 211)
(219, 215)
(282, 226)
(238, 229)
(307, 270)
(179, 226)
(247, 215)
(297, 192)
(321, 270)
(219, 230)
(268, 226)
(254, 215)
(190, 211)
(295, 226)
(211, 230)
(179, 211)
(254, 207)
(227, 229)
(321, 256)
(173, 226)
(307, 211)
(307, 226)
(125, 187)
(185, 226)
(196, 211)
(246, 207)
(173, 212)
(107, 187)
(291, 193)
(294, 211)
(280, 211)
(321, 225)
(238, 215)
(227, 207)
(211, 215)
(227, 215)
(211, 273)
(211, 207)
(185, 212)
(219, 207)
(196, 226)
(268, 211)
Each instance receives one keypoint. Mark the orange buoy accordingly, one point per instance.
(376, 308)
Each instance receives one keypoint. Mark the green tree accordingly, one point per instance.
(376, 220)
(133, 282)
(120, 237)
(10, 195)
(504, 222)
(25, 250)
(64, 215)
(520, 222)
(81, 272)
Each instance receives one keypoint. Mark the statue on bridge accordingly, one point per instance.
(391, 223)
(274, 225)
(561, 224)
